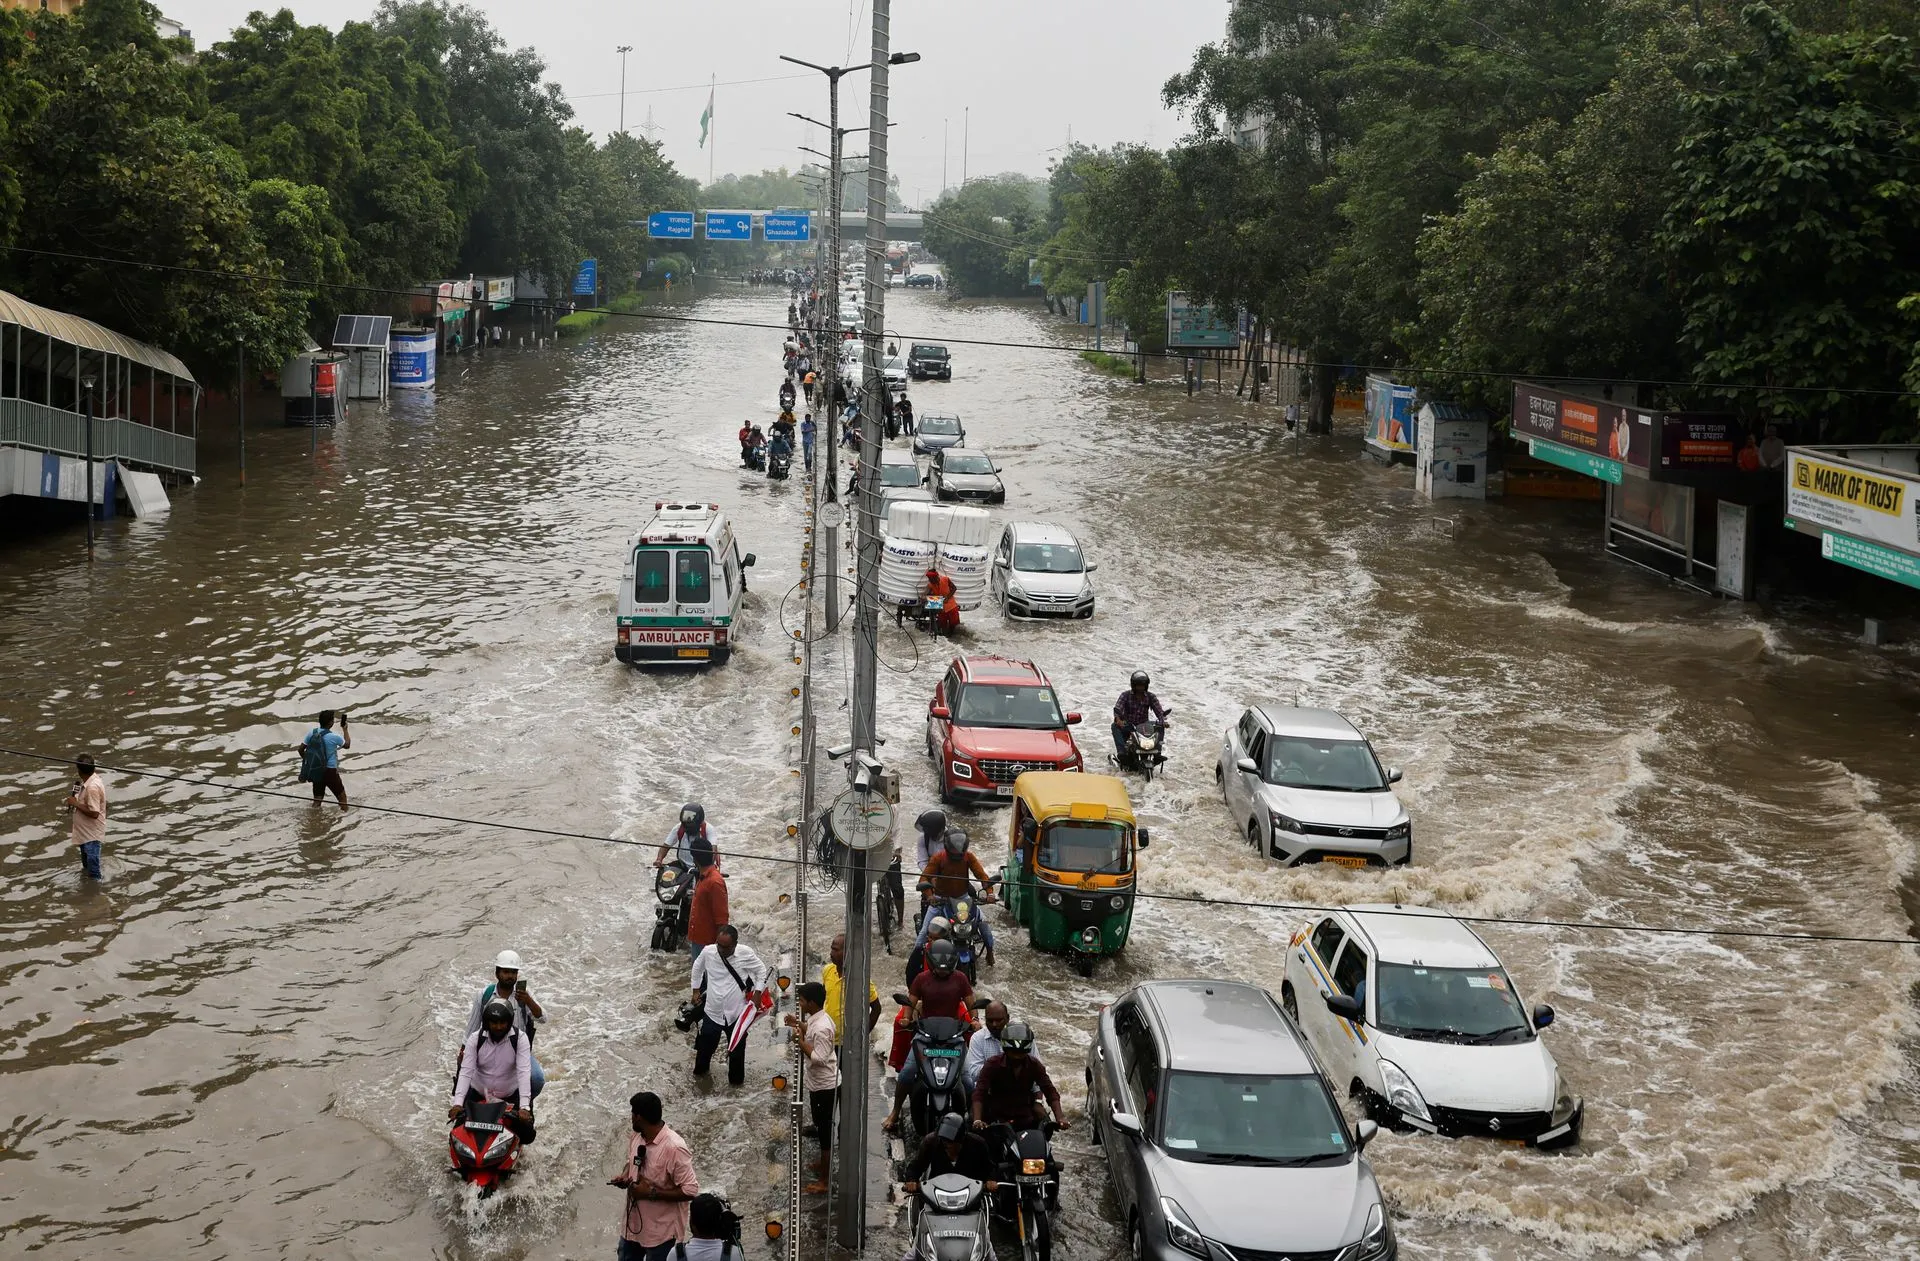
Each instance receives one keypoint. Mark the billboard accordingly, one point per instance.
(1863, 500)
(1193, 327)
(1390, 422)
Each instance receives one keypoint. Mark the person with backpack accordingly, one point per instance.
(715, 1229)
(320, 758)
(495, 1064)
(509, 988)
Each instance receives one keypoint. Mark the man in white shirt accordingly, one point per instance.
(729, 974)
(679, 843)
(985, 1042)
(822, 1074)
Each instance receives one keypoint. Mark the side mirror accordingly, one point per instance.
(939, 711)
(1348, 1006)
(1001, 562)
(1248, 765)
(1393, 774)
(903, 998)
(1146, 838)
(747, 561)
(1072, 718)
(1092, 565)
(1542, 1015)
(1363, 1134)
(1125, 1122)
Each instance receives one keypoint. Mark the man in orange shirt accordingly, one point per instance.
(941, 588)
(709, 909)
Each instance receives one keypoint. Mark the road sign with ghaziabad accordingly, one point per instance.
(795, 227)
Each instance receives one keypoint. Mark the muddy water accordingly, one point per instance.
(240, 1045)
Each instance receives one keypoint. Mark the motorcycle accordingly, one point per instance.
(779, 464)
(889, 901)
(950, 1220)
(671, 889)
(483, 1144)
(922, 611)
(1029, 1187)
(964, 931)
(939, 1048)
(1145, 748)
(754, 457)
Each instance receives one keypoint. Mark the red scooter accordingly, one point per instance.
(483, 1143)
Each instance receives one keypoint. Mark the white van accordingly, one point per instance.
(680, 588)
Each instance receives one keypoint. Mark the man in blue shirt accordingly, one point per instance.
(806, 439)
(320, 758)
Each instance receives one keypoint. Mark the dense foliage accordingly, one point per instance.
(330, 169)
(1470, 190)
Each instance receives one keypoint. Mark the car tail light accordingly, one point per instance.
(719, 634)
(624, 634)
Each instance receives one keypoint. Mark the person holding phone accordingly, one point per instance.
(320, 755)
(512, 989)
(659, 1181)
(87, 804)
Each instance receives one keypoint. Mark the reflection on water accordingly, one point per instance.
(250, 1028)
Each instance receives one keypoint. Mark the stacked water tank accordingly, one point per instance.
(950, 539)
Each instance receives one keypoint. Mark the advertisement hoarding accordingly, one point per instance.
(1194, 327)
(1863, 500)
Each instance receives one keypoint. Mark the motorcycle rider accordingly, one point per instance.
(1133, 708)
(786, 395)
(941, 588)
(781, 446)
(951, 1148)
(507, 985)
(945, 878)
(692, 826)
(931, 828)
(746, 443)
(495, 1064)
(987, 1042)
(1005, 1093)
(941, 990)
(936, 929)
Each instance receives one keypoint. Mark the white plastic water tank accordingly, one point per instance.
(903, 566)
(967, 566)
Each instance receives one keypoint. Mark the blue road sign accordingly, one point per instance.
(729, 225)
(587, 279)
(792, 227)
(675, 225)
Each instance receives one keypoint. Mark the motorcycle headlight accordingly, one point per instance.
(1377, 1240)
(1401, 1092)
(1180, 1232)
(1400, 832)
(1033, 1167)
(1054, 899)
(1281, 823)
(1564, 1104)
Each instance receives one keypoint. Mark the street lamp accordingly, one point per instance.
(623, 50)
(87, 384)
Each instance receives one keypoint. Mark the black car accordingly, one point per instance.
(920, 280)
(927, 360)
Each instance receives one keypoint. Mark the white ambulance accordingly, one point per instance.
(680, 588)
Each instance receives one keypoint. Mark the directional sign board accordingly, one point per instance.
(729, 225)
(587, 279)
(790, 227)
(673, 225)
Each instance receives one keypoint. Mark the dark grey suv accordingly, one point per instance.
(1222, 1139)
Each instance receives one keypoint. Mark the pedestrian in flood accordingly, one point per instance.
(320, 758)
(659, 1181)
(87, 802)
(726, 977)
(806, 439)
(822, 1074)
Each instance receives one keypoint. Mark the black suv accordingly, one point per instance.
(927, 360)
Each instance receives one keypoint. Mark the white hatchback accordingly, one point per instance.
(1413, 1014)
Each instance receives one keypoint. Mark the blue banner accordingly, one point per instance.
(729, 225)
(796, 227)
(587, 279)
(672, 225)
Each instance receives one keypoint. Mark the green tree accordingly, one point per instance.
(984, 233)
(21, 100)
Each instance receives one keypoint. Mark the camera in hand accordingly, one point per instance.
(689, 1016)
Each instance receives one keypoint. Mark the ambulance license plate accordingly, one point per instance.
(694, 652)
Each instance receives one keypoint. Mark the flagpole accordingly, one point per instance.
(711, 128)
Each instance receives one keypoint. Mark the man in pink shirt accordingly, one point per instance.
(659, 1182)
(88, 802)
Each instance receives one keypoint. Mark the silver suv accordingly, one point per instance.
(1304, 787)
(1221, 1137)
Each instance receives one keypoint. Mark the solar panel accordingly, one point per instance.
(357, 331)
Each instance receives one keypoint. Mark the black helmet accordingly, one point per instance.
(941, 956)
(693, 815)
(496, 1012)
(1140, 679)
(952, 1126)
(955, 841)
(932, 822)
(1016, 1037)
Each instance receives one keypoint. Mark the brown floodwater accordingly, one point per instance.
(240, 1044)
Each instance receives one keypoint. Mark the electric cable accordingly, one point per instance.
(1717, 387)
(1515, 921)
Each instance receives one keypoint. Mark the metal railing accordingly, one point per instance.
(25, 423)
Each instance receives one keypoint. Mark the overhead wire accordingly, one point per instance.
(1517, 921)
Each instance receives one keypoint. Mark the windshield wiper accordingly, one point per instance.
(1487, 1039)
(1250, 1158)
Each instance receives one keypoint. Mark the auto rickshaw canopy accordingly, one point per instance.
(1072, 794)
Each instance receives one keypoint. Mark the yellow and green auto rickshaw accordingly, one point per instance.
(1071, 864)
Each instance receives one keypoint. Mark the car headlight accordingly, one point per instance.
(1401, 1092)
(1400, 832)
(1054, 899)
(1564, 1104)
(1180, 1232)
(1377, 1241)
(1015, 590)
(961, 770)
(1281, 823)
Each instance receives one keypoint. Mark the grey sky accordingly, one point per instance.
(1029, 70)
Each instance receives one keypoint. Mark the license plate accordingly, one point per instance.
(1003, 790)
(1346, 860)
(694, 652)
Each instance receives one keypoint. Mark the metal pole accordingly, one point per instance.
(850, 1174)
(313, 406)
(829, 360)
(89, 424)
(623, 50)
(243, 414)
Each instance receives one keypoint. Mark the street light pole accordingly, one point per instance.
(86, 383)
(623, 50)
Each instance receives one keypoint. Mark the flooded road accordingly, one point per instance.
(241, 1044)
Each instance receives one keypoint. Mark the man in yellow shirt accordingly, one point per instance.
(837, 986)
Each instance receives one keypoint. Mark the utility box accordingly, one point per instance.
(1450, 452)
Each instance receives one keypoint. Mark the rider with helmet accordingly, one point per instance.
(1004, 1094)
(495, 1064)
(945, 876)
(508, 987)
(941, 990)
(692, 826)
(1134, 707)
(951, 1148)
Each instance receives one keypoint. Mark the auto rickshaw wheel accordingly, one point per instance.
(1083, 963)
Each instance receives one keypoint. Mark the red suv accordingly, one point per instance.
(990, 720)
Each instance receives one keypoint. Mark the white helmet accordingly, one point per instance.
(507, 960)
